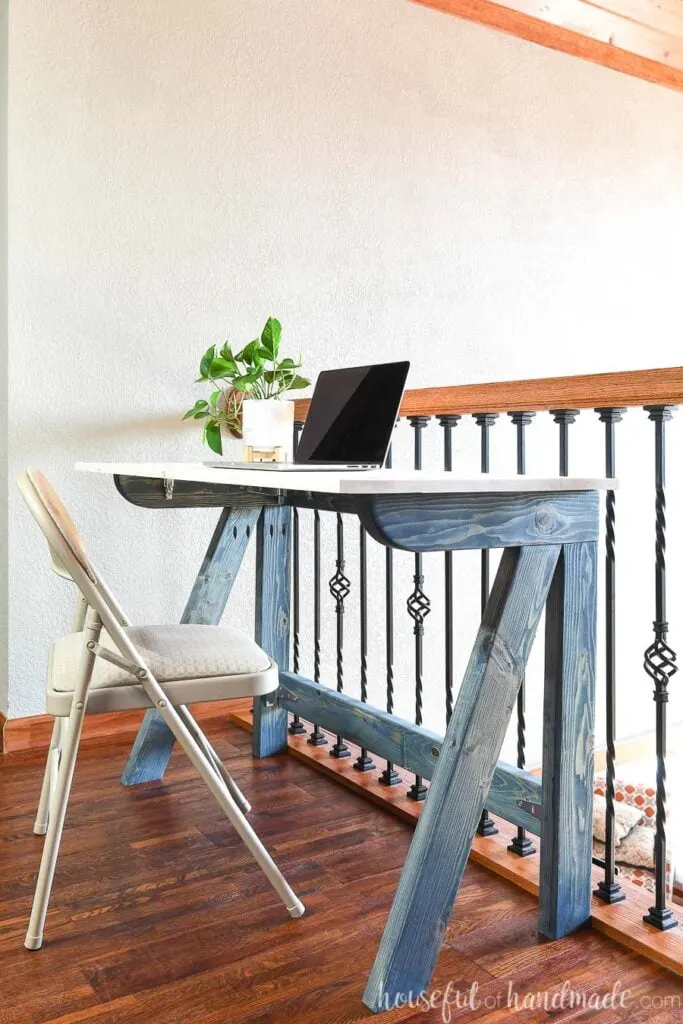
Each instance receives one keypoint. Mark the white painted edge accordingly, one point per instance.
(380, 481)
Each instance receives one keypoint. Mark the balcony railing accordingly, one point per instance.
(338, 572)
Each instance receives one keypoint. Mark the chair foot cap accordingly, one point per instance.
(33, 941)
(298, 910)
(40, 830)
(246, 807)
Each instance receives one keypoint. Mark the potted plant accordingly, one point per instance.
(248, 400)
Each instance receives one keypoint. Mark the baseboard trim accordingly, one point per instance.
(33, 733)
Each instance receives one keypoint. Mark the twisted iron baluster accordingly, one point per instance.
(363, 762)
(389, 776)
(448, 422)
(340, 589)
(296, 727)
(418, 605)
(521, 844)
(484, 421)
(609, 889)
(660, 665)
(317, 738)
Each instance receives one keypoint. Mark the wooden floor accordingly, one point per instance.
(158, 915)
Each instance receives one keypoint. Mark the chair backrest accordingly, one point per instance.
(51, 514)
(67, 550)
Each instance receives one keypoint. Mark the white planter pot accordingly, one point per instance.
(268, 425)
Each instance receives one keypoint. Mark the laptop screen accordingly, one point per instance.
(352, 414)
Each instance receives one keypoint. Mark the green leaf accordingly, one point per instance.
(289, 364)
(221, 368)
(198, 406)
(215, 395)
(206, 361)
(250, 354)
(226, 352)
(299, 382)
(270, 336)
(212, 436)
(243, 382)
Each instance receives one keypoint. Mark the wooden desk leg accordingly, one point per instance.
(153, 744)
(273, 561)
(568, 711)
(438, 853)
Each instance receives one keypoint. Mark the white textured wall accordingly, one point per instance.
(387, 180)
(4, 676)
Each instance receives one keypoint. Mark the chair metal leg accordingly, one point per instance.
(228, 805)
(70, 734)
(234, 790)
(41, 899)
(49, 780)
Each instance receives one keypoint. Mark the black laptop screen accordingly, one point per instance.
(352, 414)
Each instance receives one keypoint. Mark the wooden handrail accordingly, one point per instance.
(589, 391)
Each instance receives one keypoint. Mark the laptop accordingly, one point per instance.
(350, 421)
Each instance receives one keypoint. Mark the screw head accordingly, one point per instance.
(434, 751)
(162, 703)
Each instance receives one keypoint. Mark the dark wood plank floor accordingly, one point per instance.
(158, 914)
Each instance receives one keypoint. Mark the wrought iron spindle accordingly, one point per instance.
(484, 421)
(389, 776)
(609, 889)
(564, 418)
(340, 589)
(521, 844)
(296, 727)
(418, 605)
(448, 422)
(363, 762)
(317, 738)
(660, 665)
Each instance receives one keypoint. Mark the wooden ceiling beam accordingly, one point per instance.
(641, 38)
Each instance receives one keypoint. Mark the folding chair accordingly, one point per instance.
(107, 665)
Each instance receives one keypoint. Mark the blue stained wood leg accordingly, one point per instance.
(273, 585)
(154, 741)
(438, 853)
(567, 816)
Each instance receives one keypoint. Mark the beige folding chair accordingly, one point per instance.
(107, 665)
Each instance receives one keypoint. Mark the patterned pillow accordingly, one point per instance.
(625, 819)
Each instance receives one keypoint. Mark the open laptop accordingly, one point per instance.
(349, 423)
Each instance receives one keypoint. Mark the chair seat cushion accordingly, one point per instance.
(197, 663)
(170, 652)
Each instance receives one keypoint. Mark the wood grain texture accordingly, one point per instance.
(635, 38)
(588, 391)
(150, 492)
(514, 794)
(623, 922)
(568, 712)
(436, 860)
(154, 742)
(157, 916)
(34, 732)
(272, 627)
(445, 522)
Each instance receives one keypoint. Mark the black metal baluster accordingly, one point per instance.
(363, 762)
(564, 418)
(609, 889)
(521, 844)
(389, 776)
(340, 589)
(448, 422)
(296, 727)
(484, 421)
(660, 665)
(317, 738)
(418, 608)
